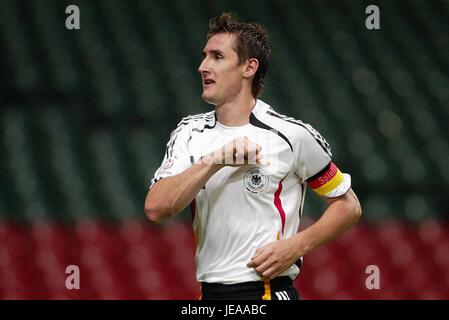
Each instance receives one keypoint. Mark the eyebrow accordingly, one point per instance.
(214, 51)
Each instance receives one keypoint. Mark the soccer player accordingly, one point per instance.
(244, 168)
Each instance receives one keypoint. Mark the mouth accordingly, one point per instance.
(207, 82)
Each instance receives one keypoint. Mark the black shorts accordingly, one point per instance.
(281, 288)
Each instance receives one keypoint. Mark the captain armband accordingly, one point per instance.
(330, 182)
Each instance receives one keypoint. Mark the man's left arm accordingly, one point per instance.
(276, 257)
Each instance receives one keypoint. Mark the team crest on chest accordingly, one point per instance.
(256, 180)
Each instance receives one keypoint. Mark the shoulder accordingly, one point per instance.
(301, 133)
(197, 122)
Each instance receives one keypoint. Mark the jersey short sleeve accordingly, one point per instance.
(177, 157)
(315, 167)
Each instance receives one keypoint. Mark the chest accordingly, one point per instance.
(276, 152)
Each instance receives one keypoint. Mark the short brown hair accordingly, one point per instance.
(251, 42)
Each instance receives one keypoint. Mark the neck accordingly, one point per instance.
(235, 113)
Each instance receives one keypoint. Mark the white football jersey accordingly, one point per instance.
(240, 209)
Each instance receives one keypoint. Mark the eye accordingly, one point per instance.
(218, 56)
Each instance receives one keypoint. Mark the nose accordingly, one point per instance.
(203, 69)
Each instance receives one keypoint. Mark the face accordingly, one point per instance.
(222, 78)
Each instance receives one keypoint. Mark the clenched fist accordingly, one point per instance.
(240, 151)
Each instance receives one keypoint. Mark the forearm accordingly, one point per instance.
(171, 195)
(338, 217)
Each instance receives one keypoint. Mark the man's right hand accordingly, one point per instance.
(239, 152)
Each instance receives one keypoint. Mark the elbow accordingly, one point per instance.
(154, 211)
(153, 215)
(353, 207)
(356, 211)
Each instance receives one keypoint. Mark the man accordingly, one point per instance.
(245, 168)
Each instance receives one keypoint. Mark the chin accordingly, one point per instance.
(208, 99)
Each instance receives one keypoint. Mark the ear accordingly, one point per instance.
(251, 67)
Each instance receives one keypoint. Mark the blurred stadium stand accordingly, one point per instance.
(85, 115)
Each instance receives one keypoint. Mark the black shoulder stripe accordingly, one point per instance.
(321, 141)
(201, 116)
(206, 126)
(172, 140)
(185, 121)
(173, 136)
(257, 123)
